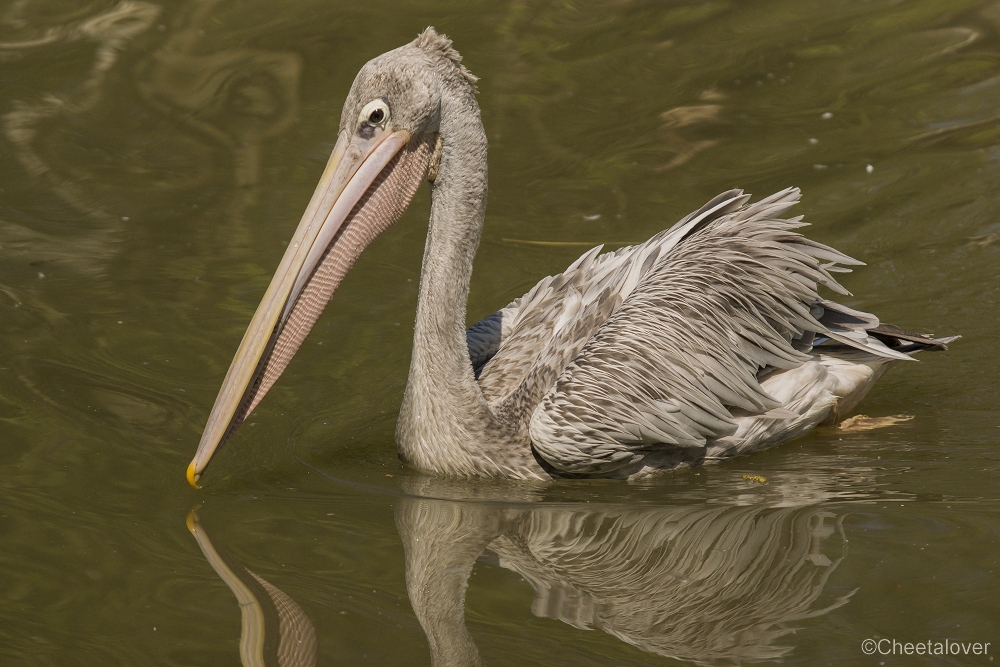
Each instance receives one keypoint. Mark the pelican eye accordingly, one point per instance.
(375, 113)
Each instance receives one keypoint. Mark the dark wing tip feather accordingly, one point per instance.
(902, 340)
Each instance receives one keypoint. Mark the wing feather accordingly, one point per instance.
(603, 282)
(655, 345)
(705, 307)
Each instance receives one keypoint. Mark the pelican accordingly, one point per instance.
(708, 341)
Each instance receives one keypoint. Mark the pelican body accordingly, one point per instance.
(708, 341)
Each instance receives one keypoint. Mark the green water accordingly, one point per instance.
(155, 160)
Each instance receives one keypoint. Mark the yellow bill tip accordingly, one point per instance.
(192, 519)
(193, 476)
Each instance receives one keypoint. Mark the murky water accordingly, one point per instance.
(155, 160)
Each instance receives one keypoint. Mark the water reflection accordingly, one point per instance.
(714, 584)
(237, 97)
(27, 126)
(90, 144)
(706, 583)
(276, 632)
(674, 137)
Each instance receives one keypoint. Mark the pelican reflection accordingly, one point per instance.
(707, 583)
(713, 584)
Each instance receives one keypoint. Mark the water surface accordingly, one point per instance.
(156, 158)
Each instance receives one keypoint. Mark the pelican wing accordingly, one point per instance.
(654, 345)
(544, 329)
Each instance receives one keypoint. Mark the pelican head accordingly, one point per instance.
(387, 145)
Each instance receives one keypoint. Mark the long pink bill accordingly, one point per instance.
(365, 188)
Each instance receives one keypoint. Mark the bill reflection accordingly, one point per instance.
(275, 630)
(713, 584)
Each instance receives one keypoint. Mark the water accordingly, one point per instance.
(155, 160)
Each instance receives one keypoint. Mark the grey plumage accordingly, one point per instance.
(674, 337)
(663, 345)
(708, 341)
(636, 360)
